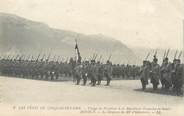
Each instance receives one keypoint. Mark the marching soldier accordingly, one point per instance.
(85, 69)
(155, 73)
(108, 72)
(179, 78)
(100, 72)
(144, 73)
(77, 73)
(166, 74)
(93, 73)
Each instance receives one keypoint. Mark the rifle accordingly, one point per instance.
(8, 57)
(147, 56)
(164, 54)
(16, 57)
(155, 54)
(92, 58)
(32, 58)
(38, 56)
(57, 58)
(43, 57)
(180, 55)
(109, 57)
(48, 56)
(28, 57)
(175, 54)
(100, 58)
(12, 57)
(167, 53)
(95, 56)
(54, 58)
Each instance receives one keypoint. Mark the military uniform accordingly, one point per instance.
(77, 73)
(100, 73)
(108, 72)
(166, 74)
(155, 73)
(179, 78)
(144, 74)
(85, 72)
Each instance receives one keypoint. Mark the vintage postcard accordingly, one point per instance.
(91, 57)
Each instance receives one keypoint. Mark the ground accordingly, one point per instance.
(119, 93)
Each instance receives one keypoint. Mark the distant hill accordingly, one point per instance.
(19, 35)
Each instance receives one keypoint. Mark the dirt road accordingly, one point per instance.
(119, 93)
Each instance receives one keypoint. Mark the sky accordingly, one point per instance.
(136, 23)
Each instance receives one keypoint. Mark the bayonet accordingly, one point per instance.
(147, 56)
(175, 54)
(180, 55)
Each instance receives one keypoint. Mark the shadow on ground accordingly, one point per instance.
(158, 91)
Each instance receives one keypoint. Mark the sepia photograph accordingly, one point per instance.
(92, 57)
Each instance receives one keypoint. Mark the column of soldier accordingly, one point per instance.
(35, 68)
(169, 74)
(51, 69)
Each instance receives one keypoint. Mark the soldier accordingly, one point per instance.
(166, 74)
(173, 74)
(93, 73)
(108, 72)
(179, 78)
(77, 73)
(72, 64)
(155, 73)
(85, 72)
(144, 74)
(100, 72)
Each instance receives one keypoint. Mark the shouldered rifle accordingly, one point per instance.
(164, 54)
(95, 56)
(155, 54)
(48, 57)
(38, 56)
(180, 55)
(100, 58)
(16, 57)
(110, 57)
(167, 53)
(175, 54)
(147, 56)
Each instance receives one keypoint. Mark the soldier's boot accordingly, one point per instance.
(143, 84)
(52, 77)
(155, 86)
(99, 82)
(46, 77)
(41, 76)
(91, 81)
(84, 81)
(179, 91)
(57, 77)
(78, 81)
(108, 82)
(167, 86)
(94, 82)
